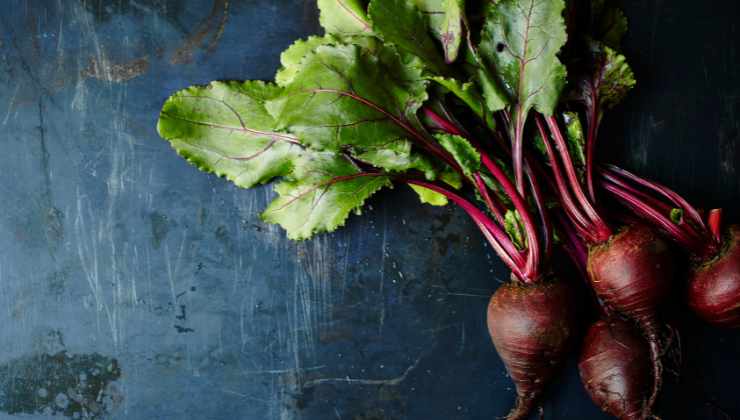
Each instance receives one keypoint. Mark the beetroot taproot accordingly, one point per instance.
(532, 327)
(614, 365)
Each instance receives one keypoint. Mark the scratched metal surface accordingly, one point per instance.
(134, 287)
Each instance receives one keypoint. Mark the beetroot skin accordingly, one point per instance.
(532, 327)
(714, 286)
(631, 274)
(614, 365)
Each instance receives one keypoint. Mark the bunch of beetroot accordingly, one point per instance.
(494, 106)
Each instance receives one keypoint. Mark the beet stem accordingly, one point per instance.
(714, 220)
(493, 206)
(602, 230)
(579, 221)
(498, 239)
(593, 127)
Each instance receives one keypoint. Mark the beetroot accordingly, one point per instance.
(714, 281)
(714, 286)
(631, 274)
(614, 365)
(532, 327)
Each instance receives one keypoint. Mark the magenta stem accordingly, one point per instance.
(441, 122)
(602, 230)
(539, 201)
(679, 235)
(579, 221)
(495, 209)
(498, 239)
(593, 127)
(533, 246)
(666, 192)
(714, 220)
(517, 150)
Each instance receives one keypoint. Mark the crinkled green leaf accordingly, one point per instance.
(521, 39)
(676, 216)
(428, 196)
(616, 80)
(445, 20)
(344, 17)
(224, 128)
(608, 23)
(342, 99)
(464, 153)
(320, 194)
(291, 58)
(515, 228)
(400, 22)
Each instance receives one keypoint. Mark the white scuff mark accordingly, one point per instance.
(383, 253)
(282, 371)
(88, 243)
(11, 104)
(356, 381)
(246, 397)
(174, 272)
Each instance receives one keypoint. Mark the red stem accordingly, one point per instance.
(517, 151)
(533, 246)
(573, 245)
(593, 127)
(579, 221)
(714, 220)
(494, 207)
(666, 192)
(602, 230)
(679, 235)
(539, 201)
(646, 198)
(443, 124)
(498, 239)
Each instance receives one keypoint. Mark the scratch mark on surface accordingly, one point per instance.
(354, 381)
(383, 253)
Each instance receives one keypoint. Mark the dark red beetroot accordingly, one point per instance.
(631, 274)
(532, 327)
(714, 286)
(614, 365)
(714, 282)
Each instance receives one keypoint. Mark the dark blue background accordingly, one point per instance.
(121, 263)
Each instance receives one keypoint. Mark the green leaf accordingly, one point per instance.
(515, 228)
(521, 39)
(322, 191)
(430, 197)
(576, 138)
(496, 98)
(445, 20)
(676, 216)
(401, 23)
(291, 58)
(608, 23)
(344, 17)
(463, 152)
(616, 79)
(223, 128)
(466, 92)
(342, 98)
